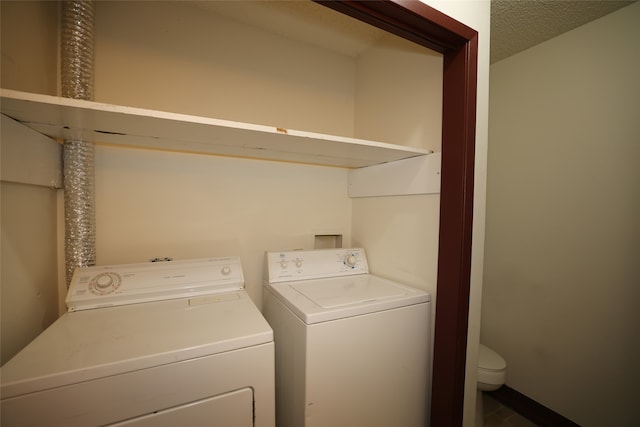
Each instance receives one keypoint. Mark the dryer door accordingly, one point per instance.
(229, 409)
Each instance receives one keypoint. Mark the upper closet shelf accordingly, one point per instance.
(66, 118)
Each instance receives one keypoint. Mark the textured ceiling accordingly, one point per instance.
(517, 25)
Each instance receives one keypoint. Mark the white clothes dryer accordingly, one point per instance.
(175, 343)
(352, 348)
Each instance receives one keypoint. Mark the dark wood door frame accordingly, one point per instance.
(458, 43)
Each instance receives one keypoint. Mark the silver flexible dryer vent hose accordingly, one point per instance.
(78, 158)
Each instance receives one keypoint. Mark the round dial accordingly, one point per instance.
(105, 283)
(350, 260)
(226, 270)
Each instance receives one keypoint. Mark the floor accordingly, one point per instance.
(498, 415)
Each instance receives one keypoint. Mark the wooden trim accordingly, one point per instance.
(456, 227)
(458, 43)
(412, 20)
(529, 408)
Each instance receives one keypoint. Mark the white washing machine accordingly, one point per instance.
(352, 349)
(175, 343)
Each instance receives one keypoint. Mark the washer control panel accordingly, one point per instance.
(104, 286)
(315, 264)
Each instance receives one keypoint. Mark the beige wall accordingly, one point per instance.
(29, 279)
(563, 221)
(152, 203)
(29, 42)
(28, 254)
(178, 57)
(398, 94)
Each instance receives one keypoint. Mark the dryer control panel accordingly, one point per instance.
(109, 285)
(315, 264)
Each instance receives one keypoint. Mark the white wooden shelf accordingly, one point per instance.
(66, 118)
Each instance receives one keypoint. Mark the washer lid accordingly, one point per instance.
(321, 300)
(345, 291)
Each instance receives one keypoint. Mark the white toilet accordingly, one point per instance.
(492, 374)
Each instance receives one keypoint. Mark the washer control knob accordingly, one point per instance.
(104, 281)
(298, 263)
(283, 263)
(226, 270)
(350, 260)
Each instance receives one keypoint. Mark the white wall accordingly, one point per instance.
(563, 221)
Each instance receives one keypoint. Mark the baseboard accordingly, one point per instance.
(529, 408)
